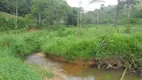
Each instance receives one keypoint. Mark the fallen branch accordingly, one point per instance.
(126, 70)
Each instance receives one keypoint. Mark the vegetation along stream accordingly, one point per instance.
(71, 39)
(68, 71)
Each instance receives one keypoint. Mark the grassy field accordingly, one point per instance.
(6, 15)
(98, 43)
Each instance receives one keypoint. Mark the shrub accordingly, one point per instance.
(83, 50)
(9, 23)
(94, 43)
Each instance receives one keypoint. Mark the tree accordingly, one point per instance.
(102, 6)
(38, 9)
(15, 7)
(71, 16)
(59, 11)
(89, 17)
(120, 5)
(97, 15)
(107, 15)
(117, 12)
(130, 4)
(97, 10)
(9, 6)
(16, 14)
(50, 11)
(80, 16)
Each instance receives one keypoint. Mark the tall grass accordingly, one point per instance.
(13, 48)
(12, 68)
(93, 43)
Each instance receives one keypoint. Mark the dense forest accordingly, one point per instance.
(35, 13)
(109, 37)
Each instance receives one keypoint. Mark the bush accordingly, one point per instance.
(9, 23)
(84, 50)
(132, 21)
(94, 43)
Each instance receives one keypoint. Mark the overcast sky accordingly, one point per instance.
(87, 6)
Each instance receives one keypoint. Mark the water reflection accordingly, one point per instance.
(77, 72)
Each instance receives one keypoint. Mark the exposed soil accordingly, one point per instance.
(76, 62)
(76, 70)
(33, 29)
(111, 63)
(106, 63)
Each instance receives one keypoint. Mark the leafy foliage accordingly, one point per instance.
(7, 22)
(64, 43)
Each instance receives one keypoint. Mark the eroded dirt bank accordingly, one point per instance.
(77, 70)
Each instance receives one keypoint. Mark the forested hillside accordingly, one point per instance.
(48, 12)
(70, 39)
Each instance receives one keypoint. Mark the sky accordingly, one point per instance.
(90, 7)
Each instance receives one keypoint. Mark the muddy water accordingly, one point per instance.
(75, 72)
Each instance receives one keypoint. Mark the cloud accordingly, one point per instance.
(90, 7)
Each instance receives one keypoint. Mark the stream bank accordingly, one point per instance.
(69, 71)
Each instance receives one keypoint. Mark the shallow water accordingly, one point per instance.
(77, 72)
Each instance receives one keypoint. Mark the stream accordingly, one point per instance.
(68, 71)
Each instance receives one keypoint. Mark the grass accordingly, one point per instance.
(12, 68)
(7, 15)
(12, 52)
(93, 43)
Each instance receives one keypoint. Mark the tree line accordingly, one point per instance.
(51, 12)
